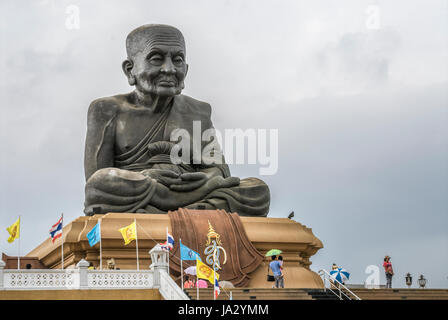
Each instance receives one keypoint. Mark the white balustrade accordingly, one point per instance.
(120, 279)
(83, 278)
(40, 279)
(70, 279)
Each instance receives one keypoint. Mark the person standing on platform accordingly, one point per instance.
(334, 267)
(275, 266)
(280, 259)
(389, 271)
(188, 283)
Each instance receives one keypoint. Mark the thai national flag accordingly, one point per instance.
(169, 243)
(56, 230)
(216, 289)
(169, 240)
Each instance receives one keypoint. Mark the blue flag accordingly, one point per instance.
(188, 254)
(94, 235)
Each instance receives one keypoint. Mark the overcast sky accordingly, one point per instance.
(357, 90)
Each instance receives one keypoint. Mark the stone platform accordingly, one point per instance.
(116, 294)
(297, 242)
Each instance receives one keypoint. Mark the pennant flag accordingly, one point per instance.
(94, 235)
(14, 231)
(216, 290)
(129, 233)
(169, 243)
(56, 230)
(188, 254)
(203, 271)
(169, 239)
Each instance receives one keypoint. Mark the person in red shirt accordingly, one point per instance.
(188, 283)
(389, 271)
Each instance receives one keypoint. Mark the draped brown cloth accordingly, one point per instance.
(192, 226)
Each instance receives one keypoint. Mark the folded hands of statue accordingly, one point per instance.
(183, 182)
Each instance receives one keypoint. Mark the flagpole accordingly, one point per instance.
(18, 255)
(101, 249)
(214, 276)
(197, 279)
(168, 251)
(62, 241)
(181, 270)
(136, 243)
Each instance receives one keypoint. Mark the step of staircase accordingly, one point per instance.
(251, 294)
(320, 294)
(401, 294)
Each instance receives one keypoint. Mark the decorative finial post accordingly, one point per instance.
(2, 266)
(82, 266)
(159, 258)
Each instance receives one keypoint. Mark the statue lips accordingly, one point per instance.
(167, 82)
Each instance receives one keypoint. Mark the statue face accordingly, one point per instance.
(160, 69)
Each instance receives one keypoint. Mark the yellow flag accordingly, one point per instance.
(129, 233)
(14, 231)
(203, 271)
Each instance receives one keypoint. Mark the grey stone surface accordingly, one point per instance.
(127, 163)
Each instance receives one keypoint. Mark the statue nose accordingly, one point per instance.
(168, 67)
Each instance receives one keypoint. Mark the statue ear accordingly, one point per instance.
(127, 66)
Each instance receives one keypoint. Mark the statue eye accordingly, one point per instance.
(155, 58)
(178, 60)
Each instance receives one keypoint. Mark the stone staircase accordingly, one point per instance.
(318, 294)
(401, 294)
(252, 294)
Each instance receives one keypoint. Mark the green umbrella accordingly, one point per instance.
(273, 252)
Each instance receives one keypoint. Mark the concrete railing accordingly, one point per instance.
(169, 289)
(80, 278)
(83, 278)
(160, 264)
(336, 287)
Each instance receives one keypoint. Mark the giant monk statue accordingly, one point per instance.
(128, 162)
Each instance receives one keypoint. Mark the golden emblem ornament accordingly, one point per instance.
(14, 232)
(206, 271)
(213, 248)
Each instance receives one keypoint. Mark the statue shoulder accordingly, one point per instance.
(195, 106)
(106, 107)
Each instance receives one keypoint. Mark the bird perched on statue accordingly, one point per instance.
(291, 215)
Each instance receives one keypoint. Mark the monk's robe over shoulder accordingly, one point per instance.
(100, 138)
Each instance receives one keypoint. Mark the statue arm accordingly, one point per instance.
(99, 147)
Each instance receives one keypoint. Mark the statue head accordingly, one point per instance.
(156, 62)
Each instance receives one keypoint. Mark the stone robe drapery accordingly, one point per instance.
(125, 187)
(192, 227)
